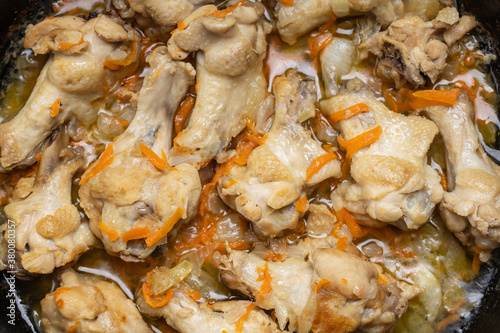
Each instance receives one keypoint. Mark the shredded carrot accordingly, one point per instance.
(265, 276)
(476, 263)
(319, 163)
(112, 233)
(135, 233)
(224, 12)
(455, 307)
(181, 25)
(275, 257)
(349, 112)
(117, 64)
(73, 328)
(471, 91)
(104, 160)
(426, 98)
(56, 106)
(287, 3)
(4, 198)
(160, 163)
(322, 283)
(241, 320)
(344, 281)
(443, 180)
(152, 299)
(381, 279)
(182, 113)
(447, 321)
(165, 228)
(361, 141)
(391, 100)
(301, 204)
(342, 243)
(317, 41)
(67, 46)
(195, 295)
(336, 228)
(230, 183)
(61, 290)
(345, 216)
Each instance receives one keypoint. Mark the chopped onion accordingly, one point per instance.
(163, 278)
(340, 7)
(238, 310)
(431, 299)
(426, 9)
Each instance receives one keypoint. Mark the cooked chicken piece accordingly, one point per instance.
(137, 200)
(305, 15)
(89, 304)
(320, 221)
(49, 230)
(72, 79)
(231, 84)
(413, 50)
(391, 181)
(265, 190)
(336, 60)
(471, 208)
(327, 291)
(165, 13)
(186, 315)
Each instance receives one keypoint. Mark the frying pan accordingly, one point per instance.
(16, 14)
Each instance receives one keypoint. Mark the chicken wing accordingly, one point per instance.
(186, 315)
(471, 206)
(231, 84)
(49, 230)
(89, 304)
(137, 199)
(318, 288)
(391, 180)
(276, 175)
(87, 59)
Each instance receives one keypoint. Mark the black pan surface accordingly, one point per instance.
(16, 14)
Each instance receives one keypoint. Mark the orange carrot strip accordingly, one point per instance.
(117, 64)
(300, 205)
(317, 41)
(349, 112)
(73, 328)
(363, 140)
(342, 243)
(265, 276)
(287, 3)
(195, 295)
(447, 321)
(183, 112)
(425, 98)
(318, 163)
(320, 284)
(104, 160)
(160, 163)
(56, 106)
(135, 233)
(67, 46)
(150, 299)
(165, 228)
(345, 216)
(181, 25)
(224, 12)
(112, 233)
(241, 320)
(381, 279)
(60, 290)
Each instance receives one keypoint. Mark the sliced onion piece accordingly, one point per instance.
(164, 278)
